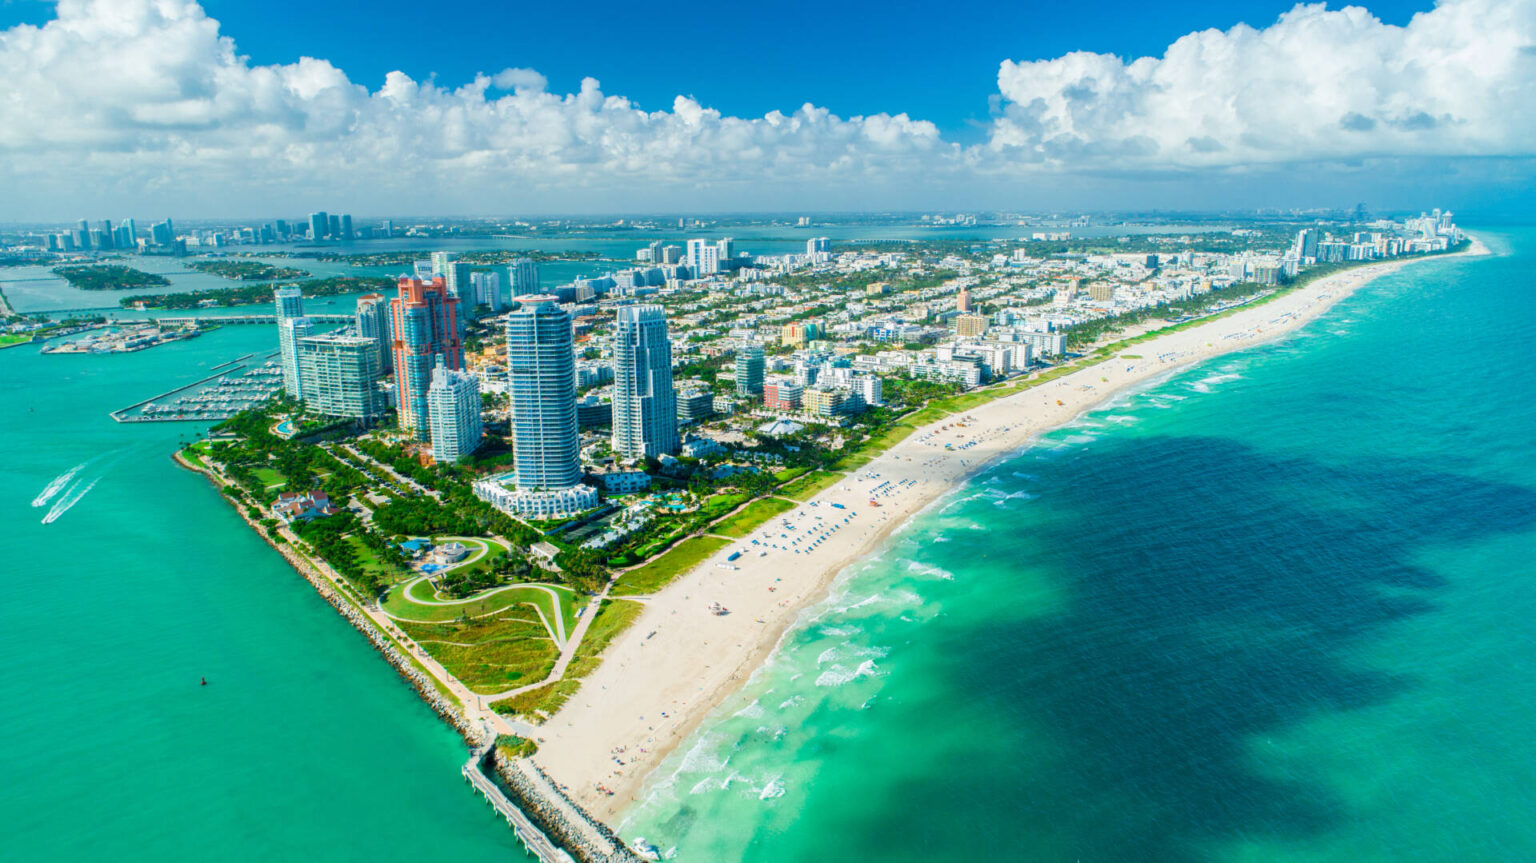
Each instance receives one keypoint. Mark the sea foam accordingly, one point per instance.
(70, 498)
(56, 485)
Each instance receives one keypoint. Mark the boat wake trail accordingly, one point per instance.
(57, 485)
(69, 499)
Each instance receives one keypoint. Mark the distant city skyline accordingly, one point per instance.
(136, 107)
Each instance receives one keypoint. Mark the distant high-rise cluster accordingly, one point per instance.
(324, 226)
(1430, 232)
(162, 238)
(105, 237)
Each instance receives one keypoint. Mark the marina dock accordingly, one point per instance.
(215, 397)
(193, 320)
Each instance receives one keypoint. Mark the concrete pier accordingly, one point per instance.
(527, 832)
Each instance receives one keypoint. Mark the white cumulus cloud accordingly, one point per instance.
(147, 102)
(147, 88)
(1458, 80)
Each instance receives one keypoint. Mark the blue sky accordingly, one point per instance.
(211, 109)
(934, 61)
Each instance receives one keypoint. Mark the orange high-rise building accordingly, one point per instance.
(425, 327)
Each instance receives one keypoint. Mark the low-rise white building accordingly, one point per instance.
(625, 481)
(547, 504)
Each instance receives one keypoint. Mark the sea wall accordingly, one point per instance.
(403, 666)
(527, 787)
(559, 817)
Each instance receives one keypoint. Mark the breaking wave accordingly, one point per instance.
(840, 675)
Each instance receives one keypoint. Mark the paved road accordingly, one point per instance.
(398, 477)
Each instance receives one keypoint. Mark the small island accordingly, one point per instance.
(255, 294)
(247, 271)
(109, 277)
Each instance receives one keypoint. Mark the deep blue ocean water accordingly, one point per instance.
(1277, 607)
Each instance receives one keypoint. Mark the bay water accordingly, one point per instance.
(303, 745)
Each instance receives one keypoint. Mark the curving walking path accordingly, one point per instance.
(567, 651)
(555, 627)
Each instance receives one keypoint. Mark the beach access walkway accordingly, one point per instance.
(567, 650)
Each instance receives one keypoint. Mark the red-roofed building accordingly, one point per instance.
(291, 506)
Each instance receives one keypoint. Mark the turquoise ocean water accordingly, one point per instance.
(1274, 608)
(303, 746)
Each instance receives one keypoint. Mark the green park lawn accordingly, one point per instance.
(269, 478)
(492, 654)
(717, 505)
(400, 605)
(790, 473)
(368, 559)
(613, 617)
(755, 513)
(810, 485)
(658, 573)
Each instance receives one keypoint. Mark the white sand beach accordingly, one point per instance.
(662, 676)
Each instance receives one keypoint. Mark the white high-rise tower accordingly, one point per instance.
(453, 411)
(541, 381)
(644, 405)
(289, 304)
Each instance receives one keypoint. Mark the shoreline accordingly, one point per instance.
(450, 711)
(665, 674)
(509, 783)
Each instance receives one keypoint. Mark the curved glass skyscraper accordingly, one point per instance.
(541, 375)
